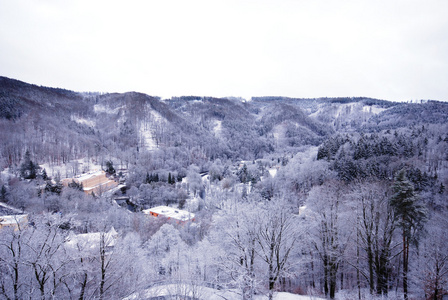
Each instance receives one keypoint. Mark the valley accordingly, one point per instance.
(269, 197)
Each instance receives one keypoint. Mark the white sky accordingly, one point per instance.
(387, 49)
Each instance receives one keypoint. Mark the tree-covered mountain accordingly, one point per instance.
(216, 127)
(328, 197)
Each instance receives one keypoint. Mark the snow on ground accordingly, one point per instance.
(349, 108)
(374, 109)
(273, 172)
(206, 293)
(100, 108)
(279, 133)
(288, 296)
(82, 121)
(217, 129)
(146, 136)
(71, 169)
(146, 128)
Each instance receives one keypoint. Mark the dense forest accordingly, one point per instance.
(340, 198)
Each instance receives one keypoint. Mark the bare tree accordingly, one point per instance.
(432, 271)
(328, 232)
(276, 235)
(261, 236)
(46, 255)
(12, 262)
(375, 227)
(242, 235)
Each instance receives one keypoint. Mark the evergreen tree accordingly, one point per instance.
(410, 215)
(44, 175)
(75, 185)
(242, 174)
(54, 188)
(110, 168)
(3, 193)
(28, 169)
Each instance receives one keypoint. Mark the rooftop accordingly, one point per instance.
(170, 212)
(14, 219)
(89, 175)
(92, 240)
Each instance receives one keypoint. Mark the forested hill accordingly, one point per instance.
(330, 197)
(45, 120)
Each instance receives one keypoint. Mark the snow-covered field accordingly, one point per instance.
(71, 169)
(207, 293)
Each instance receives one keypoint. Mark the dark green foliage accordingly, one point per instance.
(330, 147)
(28, 169)
(154, 178)
(75, 185)
(9, 107)
(171, 179)
(409, 114)
(54, 188)
(441, 188)
(44, 175)
(421, 180)
(409, 211)
(181, 203)
(3, 194)
(410, 215)
(110, 168)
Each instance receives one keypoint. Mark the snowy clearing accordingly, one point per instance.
(374, 109)
(206, 293)
(100, 108)
(217, 128)
(83, 121)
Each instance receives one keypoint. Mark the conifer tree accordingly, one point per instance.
(110, 167)
(28, 169)
(410, 215)
(44, 174)
(3, 193)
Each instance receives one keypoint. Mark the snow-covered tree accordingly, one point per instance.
(410, 215)
(327, 217)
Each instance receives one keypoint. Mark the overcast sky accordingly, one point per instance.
(393, 50)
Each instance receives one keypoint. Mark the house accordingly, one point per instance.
(91, 241)
(93, 182)
(14, 221)
(178, 215)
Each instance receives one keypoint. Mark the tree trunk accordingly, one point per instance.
(358, 280)
(326, 275)
(333, 279)
(405, 266)
(83, 287)
(271, 288)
